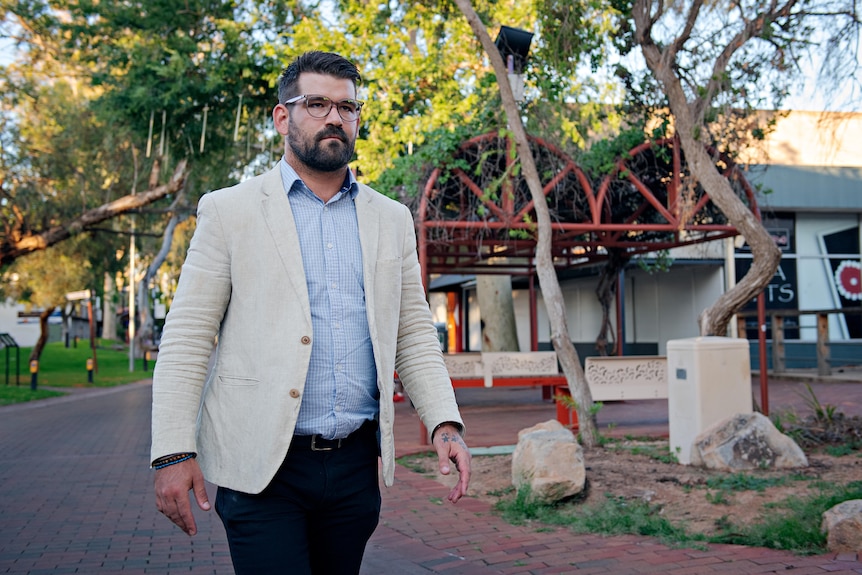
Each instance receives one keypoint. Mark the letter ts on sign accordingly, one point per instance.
(782, 291)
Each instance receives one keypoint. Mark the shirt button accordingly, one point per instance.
(294, 393)
(329, 246)
(305, 340)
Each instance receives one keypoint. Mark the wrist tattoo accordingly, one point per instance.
(447, 437)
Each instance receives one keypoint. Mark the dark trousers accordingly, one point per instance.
(316, 516)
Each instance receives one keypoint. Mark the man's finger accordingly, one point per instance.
(172, 485)
(462, 462)
(443, 463)
(200, 492)
(185, 519)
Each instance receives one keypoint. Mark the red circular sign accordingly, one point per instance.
(848, 280)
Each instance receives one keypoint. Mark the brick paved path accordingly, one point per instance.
(76, 493)
(76, 497)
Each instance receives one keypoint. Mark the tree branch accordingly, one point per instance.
(752, 28)
(13, 248)
(689, 26)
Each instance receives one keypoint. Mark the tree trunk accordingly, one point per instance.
(548, 281)
(109, 309)
(765, 254)
(144, 338)
(36, 353)
(497, 310)
(606, 292)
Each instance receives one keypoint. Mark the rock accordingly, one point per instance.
(746, 441)
(549, 461)
(843, 527)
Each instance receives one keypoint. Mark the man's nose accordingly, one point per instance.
(334, 111)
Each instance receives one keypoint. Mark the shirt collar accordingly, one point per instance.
(289, 179)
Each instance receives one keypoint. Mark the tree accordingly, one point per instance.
(44, 279)
(690, 115)
(494, 295)
(551, 292)
(711, 65)
(88, 92)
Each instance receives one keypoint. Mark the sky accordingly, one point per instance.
(809, 96)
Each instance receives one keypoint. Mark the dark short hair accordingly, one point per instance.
(316, 63)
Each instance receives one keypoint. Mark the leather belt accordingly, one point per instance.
(318, 443)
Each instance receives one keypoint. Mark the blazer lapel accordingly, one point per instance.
(369, 232)
(279, 220)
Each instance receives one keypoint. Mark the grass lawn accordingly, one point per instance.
(60, 367)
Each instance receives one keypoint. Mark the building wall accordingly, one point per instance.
(658, 307)
(804, 138)
(25, 331)
(665, 306)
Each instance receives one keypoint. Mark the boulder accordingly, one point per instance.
(746, 441)
(549, 461)
(843, 527)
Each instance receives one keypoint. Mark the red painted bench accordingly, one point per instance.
(501, 369)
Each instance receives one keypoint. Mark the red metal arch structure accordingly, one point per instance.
(476, 215)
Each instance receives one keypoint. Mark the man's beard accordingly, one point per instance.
(328, 157)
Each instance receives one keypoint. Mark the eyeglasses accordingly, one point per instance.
(320, 106)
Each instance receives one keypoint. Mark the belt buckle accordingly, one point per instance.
(314, 446)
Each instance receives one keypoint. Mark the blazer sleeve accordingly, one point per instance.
(418, 358)
(189, 336)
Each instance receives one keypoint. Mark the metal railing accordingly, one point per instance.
(7, 342)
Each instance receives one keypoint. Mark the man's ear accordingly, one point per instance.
(281, 118)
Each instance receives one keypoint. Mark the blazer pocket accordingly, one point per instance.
(238, 381)
(389, 262)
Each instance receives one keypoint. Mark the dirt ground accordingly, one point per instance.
(682, 492)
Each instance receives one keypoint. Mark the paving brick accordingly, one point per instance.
(77, 498)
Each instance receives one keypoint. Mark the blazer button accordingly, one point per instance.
(305, 340)
(294, 393)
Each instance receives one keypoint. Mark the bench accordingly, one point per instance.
(490, 369)
(614, 378)
(499, 369)
(617, 378)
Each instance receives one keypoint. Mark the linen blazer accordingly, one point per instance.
(235, 350)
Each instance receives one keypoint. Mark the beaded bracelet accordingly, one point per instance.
(168, 460)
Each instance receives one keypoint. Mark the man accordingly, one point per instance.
(310, 284)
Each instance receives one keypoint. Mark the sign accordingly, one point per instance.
(781, 293)
(846, 274)
(780, 228)
(78, 295)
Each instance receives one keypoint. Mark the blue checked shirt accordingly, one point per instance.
(341, 385)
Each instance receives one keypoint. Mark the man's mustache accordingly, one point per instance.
(332, 132)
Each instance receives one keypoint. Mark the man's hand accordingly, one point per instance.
(451, 447)
(172, 493)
